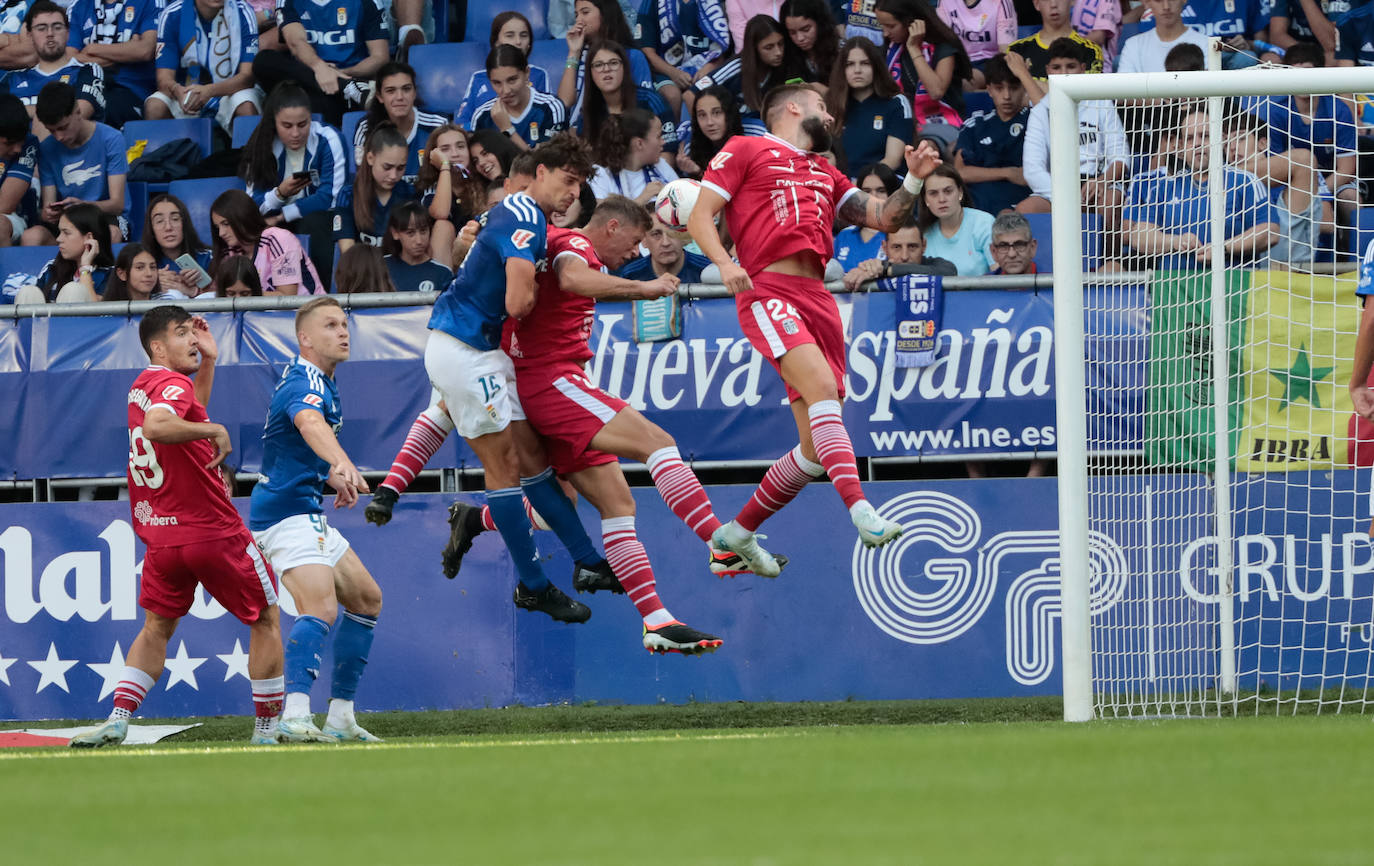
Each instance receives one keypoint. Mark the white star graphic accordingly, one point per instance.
(5, 668)
(182, 668)
(52, 670)
(235, 663)
(109, 671)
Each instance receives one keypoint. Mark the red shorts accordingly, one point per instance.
(231, 569)
(567, 411)
(782, 312)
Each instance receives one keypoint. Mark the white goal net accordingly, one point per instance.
(1214, 480)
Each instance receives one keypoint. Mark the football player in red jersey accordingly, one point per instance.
(780, 198)
(182, 512)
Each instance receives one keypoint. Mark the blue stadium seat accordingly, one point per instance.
(481, 14)
(1027, 30)
(243, 128)
(159, 132)
(137, 194)
(198, 195)
(445, 72)
(1041, 230)
(350, 128)
(25, 260)
(548, 55)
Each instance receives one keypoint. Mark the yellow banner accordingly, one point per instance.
(1299, 351)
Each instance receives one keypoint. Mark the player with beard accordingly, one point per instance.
(784, 308)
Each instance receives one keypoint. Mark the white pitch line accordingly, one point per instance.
(178, 750)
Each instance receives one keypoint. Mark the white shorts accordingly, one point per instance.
(224, 115)
(302, 539)
(478, 387)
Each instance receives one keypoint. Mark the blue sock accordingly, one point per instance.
(304, 646)
(508, 513)
(558, 511)
(351, 646)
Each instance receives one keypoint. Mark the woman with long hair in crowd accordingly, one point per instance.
(82, 266)
(507, 28)
(613, 91)
(295, 169)
(715, 118)
(237, 277)
(169, 234)
(393, 101)
(598, 21)
(410, 254)
(857, 244)
(760, 64)
(954, 230)
(240, 230)
(813, 42)
(929, 64)
(378, 187)
(447, 188)
(490, 154)
(872, 118)
(629, 157)
(135, 278)
(361, 270)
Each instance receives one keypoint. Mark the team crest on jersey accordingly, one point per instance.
(173, 392)
(343, 15)
(521, 238)
(718, 161)
(338, 222)
(65, 78)
(128, 14)
(878, 123)
(314, 400)
(534, 130)
(1016, 130)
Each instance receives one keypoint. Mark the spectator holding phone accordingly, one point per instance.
(241, 230)
(82, 266)
(80, 162)
(135, 278)
(331, 52)
(205, 51)
(171, 237)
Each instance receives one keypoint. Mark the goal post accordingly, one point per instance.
(1211, 615)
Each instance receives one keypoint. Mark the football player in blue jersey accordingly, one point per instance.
(476, 379)
(301, 454)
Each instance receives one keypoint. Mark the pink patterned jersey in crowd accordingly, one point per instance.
(175, 500)
(1090, 15)
(559, 326)
(780, 200)
(982, 27)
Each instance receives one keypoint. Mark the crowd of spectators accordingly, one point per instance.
(657, 86)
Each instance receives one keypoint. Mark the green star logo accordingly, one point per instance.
(1299, 380)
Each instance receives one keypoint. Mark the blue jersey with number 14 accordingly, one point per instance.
(292, 478)
(473, 307)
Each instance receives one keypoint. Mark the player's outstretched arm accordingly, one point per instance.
(701, 224)
(889, 215)
(164, 425)
(520, 287)
(575, 276)
(209, 353)
(1364, 361)
(344, 477)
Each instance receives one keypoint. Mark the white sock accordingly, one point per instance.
(119, 713)
(736, 534)
(264, 725)
(340, 713)
(862, 507)
(658, 618)
(297, 705)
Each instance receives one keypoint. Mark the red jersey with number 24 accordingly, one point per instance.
(779, 200)
(175, 500)
(559, 326)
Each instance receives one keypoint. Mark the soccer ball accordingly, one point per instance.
(675, 203)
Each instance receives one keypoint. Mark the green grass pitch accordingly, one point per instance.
(771, 785)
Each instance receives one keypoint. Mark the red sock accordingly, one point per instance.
(487, 523)
(535, 520)
(268, 696)
(424, 440)
(680, 488)
(783, 481)
(834, 449)
(132, 689)
(630, 564)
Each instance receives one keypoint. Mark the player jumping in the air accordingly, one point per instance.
(584, 428)
(477, 380)
(183, 513)
(780, 199)
(301, 453)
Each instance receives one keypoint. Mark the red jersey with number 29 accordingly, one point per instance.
(559, 326)
(175, 500)
(779, 200)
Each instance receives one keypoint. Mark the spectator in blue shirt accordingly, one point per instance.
(205, 51)
(1355, 47)
(121, 37)
(682, 39)
(521, 113)
(873, 117)
(716, 118)
(169, 234)
(857, 244)
(80, 162)
(16, 51)
(379, 186)
(668, 254)
(905, 248)
(989, 153)
(508, 28)
(79, 271)
(393, 101)
(47, 28)
(954, 230)
(613, 91)
(409, 252)
(331, 52)
(294, 168)
(1293, 21)
(18, 164)
(597, 22)
(1167, 219)
(758, 66)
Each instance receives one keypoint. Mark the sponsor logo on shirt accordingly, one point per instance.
(76, 175)
(521, 238)
(173, 392)
(143, 513)
(314, 400)
(718, 161)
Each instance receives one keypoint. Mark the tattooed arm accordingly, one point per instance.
(889, 215)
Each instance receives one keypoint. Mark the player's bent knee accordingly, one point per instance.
(159, 627)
